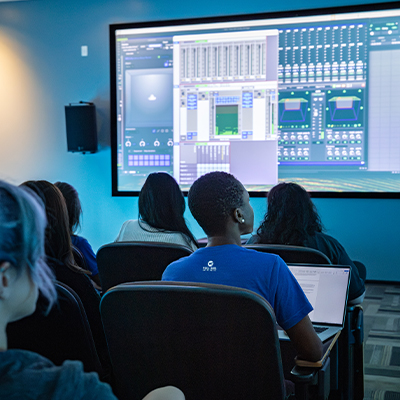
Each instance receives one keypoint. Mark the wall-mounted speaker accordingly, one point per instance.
(81, 127)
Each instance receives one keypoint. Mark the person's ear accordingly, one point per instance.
(238, 215)
(5, 278)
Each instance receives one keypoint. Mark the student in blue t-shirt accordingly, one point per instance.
(220, 204)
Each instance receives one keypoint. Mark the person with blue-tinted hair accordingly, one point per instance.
(23, 272)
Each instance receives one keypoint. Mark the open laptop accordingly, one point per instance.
(326, 287)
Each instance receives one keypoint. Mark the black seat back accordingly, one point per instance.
(292, 254)
(136, 261)
(211, 341)
(63, 334)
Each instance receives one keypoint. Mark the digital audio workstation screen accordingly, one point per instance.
(310, 99)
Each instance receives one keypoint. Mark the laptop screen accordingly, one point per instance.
(326, 288)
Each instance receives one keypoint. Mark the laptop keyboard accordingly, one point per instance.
(320, 329)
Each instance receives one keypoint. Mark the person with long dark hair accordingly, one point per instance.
(74, 216)
(23, 272)
(220, 204)
(161, 209)
(58, 242)
(292, 219)
(60, 258)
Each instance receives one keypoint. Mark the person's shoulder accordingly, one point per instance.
(185, 259)
(127, 227)
(260, 261)
(130, 223)
(177, 266)
(34, 376)
(79, 240)
(264, 265)
(260, 254)
(21, 359)
(191, 258)
(85, 385)
(221, 251)
(73, 382)
(324, 237)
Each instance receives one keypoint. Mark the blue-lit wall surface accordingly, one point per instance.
(42, 70)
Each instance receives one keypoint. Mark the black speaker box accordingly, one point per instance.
(81, 128)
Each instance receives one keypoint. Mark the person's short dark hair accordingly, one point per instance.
(212, 199)
(291, 216)
(73, 205)
(162, 205)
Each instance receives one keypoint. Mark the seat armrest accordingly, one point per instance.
(312, 382)
(303, 374)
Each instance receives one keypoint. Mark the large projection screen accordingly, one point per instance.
(309, 96)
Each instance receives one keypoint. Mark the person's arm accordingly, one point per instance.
(357, 300)
(305, 340)
(165, 393)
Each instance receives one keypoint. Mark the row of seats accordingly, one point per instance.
(141, 363)
(142, 261)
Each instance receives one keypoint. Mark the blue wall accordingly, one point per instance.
(41, 70)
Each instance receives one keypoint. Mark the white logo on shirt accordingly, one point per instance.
(210, 267)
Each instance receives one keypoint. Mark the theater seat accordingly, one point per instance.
(347, 373)
(292, 254)
(63, 334)
(136, 261)
(211, 341)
